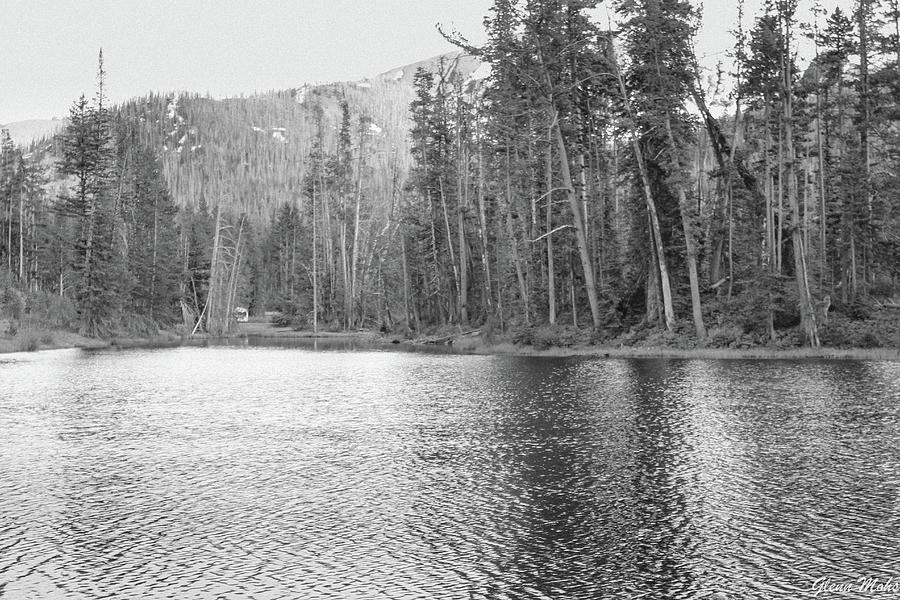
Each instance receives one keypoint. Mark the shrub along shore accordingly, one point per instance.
(557, 341)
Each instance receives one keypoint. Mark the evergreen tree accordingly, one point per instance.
(98, 264)
(153, 256)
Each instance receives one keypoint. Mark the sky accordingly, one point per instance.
(48, 48)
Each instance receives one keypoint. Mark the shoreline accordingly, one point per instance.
(760, 353)
(469, 344)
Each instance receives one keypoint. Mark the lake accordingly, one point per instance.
(294, 472)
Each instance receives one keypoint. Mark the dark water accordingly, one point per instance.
(287, 473)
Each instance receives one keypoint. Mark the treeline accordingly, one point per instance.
(578, 181)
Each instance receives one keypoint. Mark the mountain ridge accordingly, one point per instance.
(27, 131)
(24, 133)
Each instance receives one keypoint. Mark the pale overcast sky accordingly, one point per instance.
(48, 48)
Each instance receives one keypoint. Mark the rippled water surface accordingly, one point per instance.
(288, 473)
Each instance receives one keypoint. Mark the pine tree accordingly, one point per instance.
(102, 283)
(153, 235)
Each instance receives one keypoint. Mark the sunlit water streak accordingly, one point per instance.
(287, 473)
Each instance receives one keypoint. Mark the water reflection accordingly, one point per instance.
(258, 472)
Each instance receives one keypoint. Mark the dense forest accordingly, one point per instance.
(563, 182)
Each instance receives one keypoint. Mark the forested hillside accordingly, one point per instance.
(563, 182)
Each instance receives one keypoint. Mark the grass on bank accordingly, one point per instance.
(871, 333)
(39, 320)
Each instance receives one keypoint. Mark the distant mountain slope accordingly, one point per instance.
(459, 62)
(24, 133)
(250, 154)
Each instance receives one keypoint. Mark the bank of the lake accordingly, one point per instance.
(474, 342)
(36, 339)
(30, 340)
(761, 352)
(461, 342)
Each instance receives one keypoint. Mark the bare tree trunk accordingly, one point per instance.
(449, 236)
(233, 279)
(654, 310)
(499, 254)
(572, 294)
(770, 214)
(514, 244)
(354, 256)
(211, 295)
(463, 255)
(315, 263)
(807, 313)
(463, 273)
(9, 229)
(34, 245)
(292, 273)
(580, 237)
(462, 206)
(730, 239)
(154, 269)
(806, 199)
(715, 230)
(406, 294)
(551, 269)
(656, 235)
(895, 17)
(779, 231)
(437, 263)
(610, 187)
(687, 214)
(582, 175)
(328, 245)
(485, 251)
(21, 235)
(823, 254)
(345, 268)
(866, 113)
(574, 202)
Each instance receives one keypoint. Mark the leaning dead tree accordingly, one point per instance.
(225, 266)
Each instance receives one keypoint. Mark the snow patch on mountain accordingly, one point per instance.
(278, 133)
(181, 133)
(301, 93)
